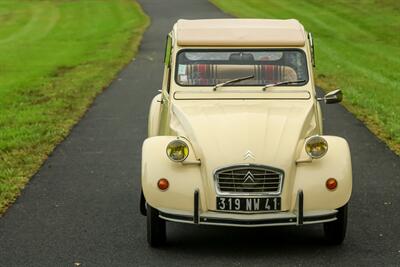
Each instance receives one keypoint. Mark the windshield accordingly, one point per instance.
(212, 67)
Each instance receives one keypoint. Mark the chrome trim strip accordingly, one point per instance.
(191, 162)
(304, 160)
(249, 165)
(289, 220)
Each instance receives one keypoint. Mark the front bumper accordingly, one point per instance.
(298, 217)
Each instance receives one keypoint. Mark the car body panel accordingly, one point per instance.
(221, 127)
(310, 177)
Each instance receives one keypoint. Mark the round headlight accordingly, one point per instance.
(316, 147)
(177, 150)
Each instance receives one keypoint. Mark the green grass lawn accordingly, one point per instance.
(357, 50)
(55, 57)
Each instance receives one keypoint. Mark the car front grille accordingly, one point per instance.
(249, 179)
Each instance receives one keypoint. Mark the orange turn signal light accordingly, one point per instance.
(163, 184)
(331, 184)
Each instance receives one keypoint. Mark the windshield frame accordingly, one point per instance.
(225, 49)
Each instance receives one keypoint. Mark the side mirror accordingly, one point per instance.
(333, 97)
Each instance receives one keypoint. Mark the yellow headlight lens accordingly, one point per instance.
(177, 150)
(316, 147)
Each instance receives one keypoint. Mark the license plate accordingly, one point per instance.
(248, 204)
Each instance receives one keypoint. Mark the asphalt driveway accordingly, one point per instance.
(82, 206)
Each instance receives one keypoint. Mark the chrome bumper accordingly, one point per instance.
(298, 217)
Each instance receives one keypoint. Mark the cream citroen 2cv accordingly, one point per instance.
(235, 137)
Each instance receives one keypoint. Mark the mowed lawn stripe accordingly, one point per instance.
(55, 57)
(357, 49)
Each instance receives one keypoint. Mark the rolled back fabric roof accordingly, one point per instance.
(240, 32)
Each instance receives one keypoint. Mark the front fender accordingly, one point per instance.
(183, 179)
(311, 177)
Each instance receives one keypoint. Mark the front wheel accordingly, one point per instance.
(156, 228)
(335, 231)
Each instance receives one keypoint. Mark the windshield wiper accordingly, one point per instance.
(232, 81)
(282, 83)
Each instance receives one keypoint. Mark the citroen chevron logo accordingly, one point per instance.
(249, 155)
(248, 177)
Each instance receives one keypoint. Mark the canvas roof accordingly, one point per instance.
(240, 32)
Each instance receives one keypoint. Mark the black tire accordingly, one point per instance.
(143, 209)
(156, 228)
(335, 231)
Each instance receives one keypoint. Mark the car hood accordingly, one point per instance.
(244, 131)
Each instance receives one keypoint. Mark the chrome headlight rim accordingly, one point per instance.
(316, 138)
(180, 142)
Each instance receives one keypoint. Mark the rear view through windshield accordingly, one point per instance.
(210, 67)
